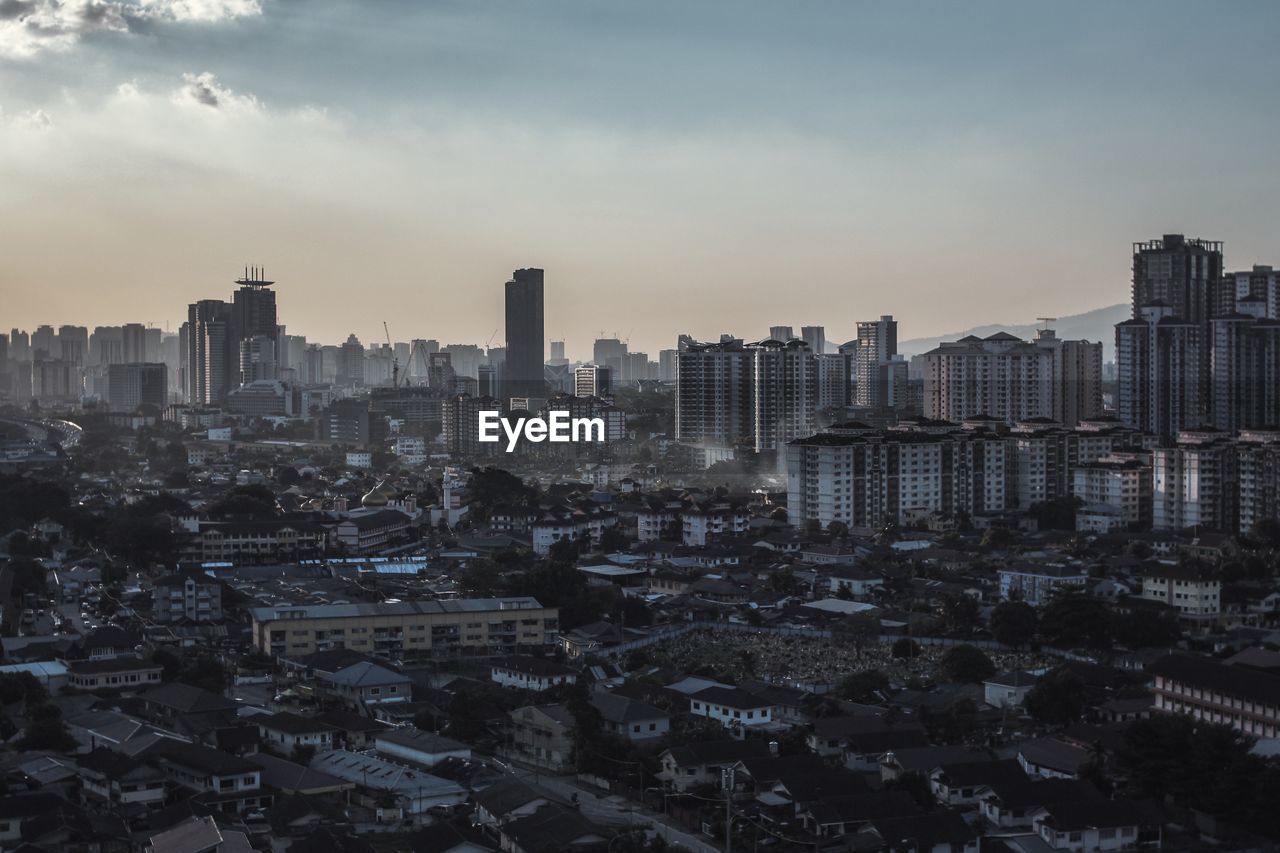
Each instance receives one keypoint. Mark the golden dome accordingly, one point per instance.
(379, 495)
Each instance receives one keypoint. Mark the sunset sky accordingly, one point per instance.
(698, 167)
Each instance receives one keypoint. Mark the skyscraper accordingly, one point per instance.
(1160, 360)
(781, 333)
(212, 355)
(877, 344)
(815, 337)
(132, 385)
(592, 380)
(523, 374)
(1185, 275)
(1261, 282)
(1244, 368)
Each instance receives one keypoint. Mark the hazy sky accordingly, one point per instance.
(675, 166)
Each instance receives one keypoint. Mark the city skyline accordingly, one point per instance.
(846, 164)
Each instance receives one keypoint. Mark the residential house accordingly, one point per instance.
(542, 735)
(629, 718)
(529, 673)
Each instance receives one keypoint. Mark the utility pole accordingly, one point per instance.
(727, 783)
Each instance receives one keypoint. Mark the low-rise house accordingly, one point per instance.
(1037, 583)
(837, 816)
(860, 741)
(117, 779)
(505, 801)
(1089, 825)
(689, 765)
(416, 791)
(630, 718)
(354, 731)
(853, 580)
(286, 732)
(418, 747)
(934, 832)
(1013, 805)
(114, 674)
(553, 827)
(235, 783)
(542, 735)
(529, 673)
(363, 684)
(1008, 689)
(731, 707)
(966, 784)
(1050, 758)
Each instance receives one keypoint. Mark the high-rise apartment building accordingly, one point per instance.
(1258, 470)
(784, 393)
(815, 337)
(130, 386)
(1261, 282)
(351, 362)
(1244, 368)
(874, 478)
(1194, 482)
(1161, 364)
(610, 353)
(877, 344)
(73, 344)
(714, 384)
(1183, 274)
(1012, 380)
(523, 374)
(592, 380)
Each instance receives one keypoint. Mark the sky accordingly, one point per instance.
(675, 167)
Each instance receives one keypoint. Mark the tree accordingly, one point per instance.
(613, 539)
(959, 614)
(254, 501)
(206, 672)
(998, 537)
(905, 647)
(917, 785)
(966, 664)
(1013, 623)
(863, 686)
(45, 730)
(1142, 629)
(1058, 698)
(1202, 766)
(1057, 514)
(1074, 619)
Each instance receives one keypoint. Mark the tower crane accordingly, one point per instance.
(395, 362)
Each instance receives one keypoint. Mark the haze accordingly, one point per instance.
(674, 167)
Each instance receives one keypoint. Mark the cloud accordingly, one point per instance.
(205, 90)
(28, 27)
(30, 120)
(198, 11)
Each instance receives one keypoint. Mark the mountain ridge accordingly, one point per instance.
(1096, 325)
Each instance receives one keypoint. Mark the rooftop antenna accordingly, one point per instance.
(1046, 321)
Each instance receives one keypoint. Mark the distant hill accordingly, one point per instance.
(1096, 325)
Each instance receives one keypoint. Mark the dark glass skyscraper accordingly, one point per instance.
(523, 374)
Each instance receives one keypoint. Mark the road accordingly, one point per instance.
(608, 810)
